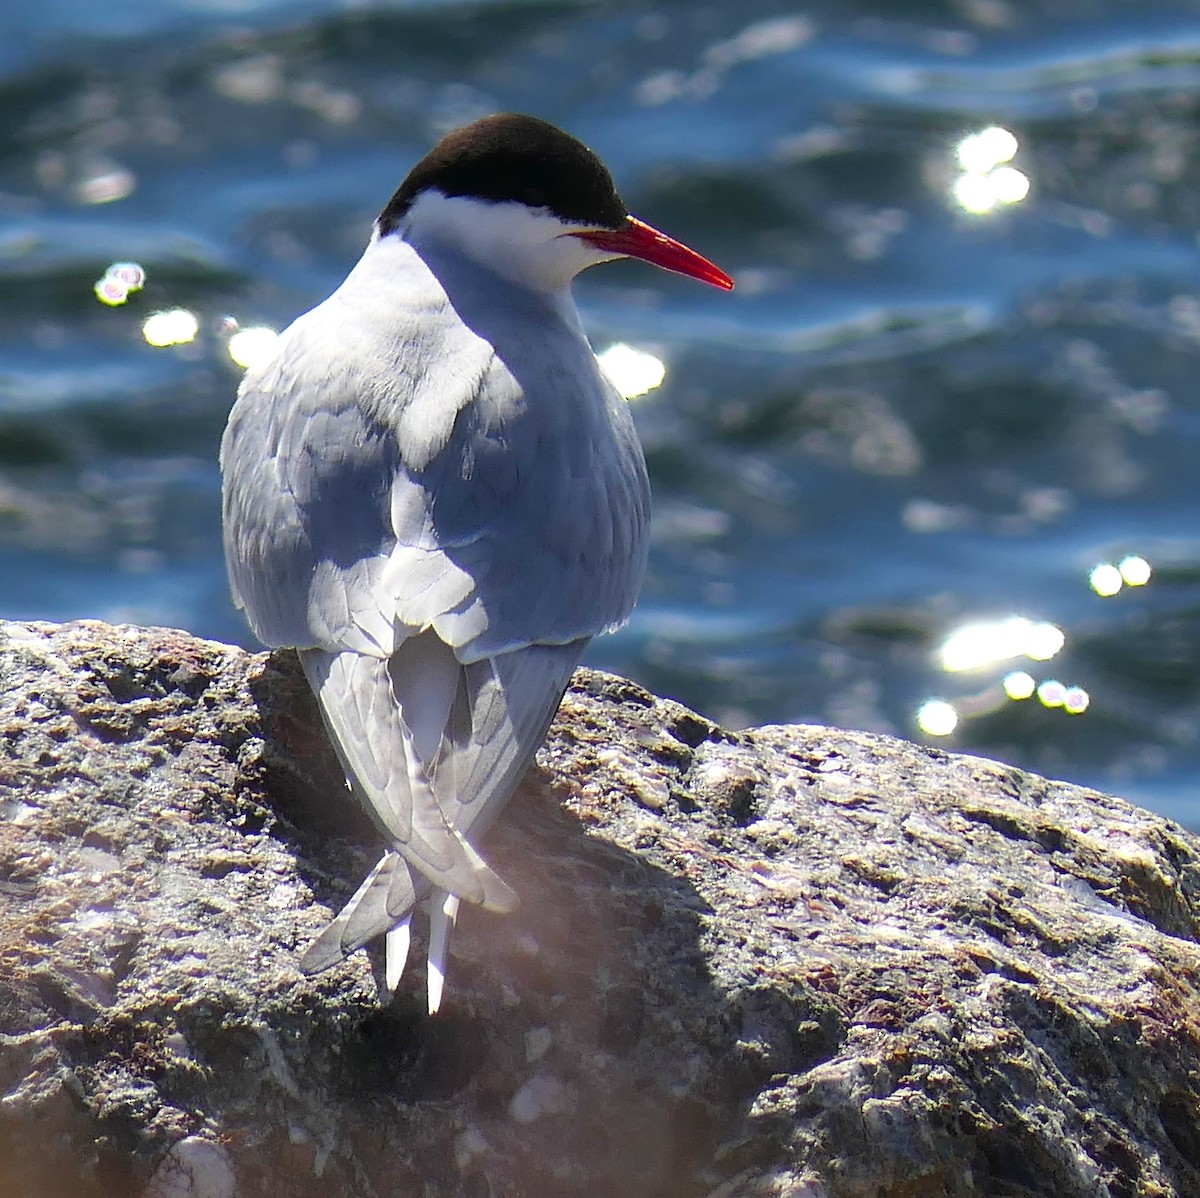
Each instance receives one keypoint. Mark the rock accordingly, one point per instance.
(788, 962)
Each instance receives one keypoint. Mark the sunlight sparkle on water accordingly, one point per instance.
(981, 152)
(1107, 580)
(974, 193)
(1009, 185)
(1135, 571)
(632, 371)
(1074, 700)
(982, 193)
(120, 280)
(936, 717)
(986, 182)
(107, 184)
(992, 641)
(1019, 685)
(253, 346)
(177, 326)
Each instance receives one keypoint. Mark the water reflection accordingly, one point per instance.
(1074, 700)
(1019, 684)
(1107, 580)
(936, 717)
(986, 181)
(989, 642)
(253, 346)
(105, 183)
(119, 282)
(976, 646)
(923, 415)
(992, 641)
(177, 326)
(632, 371)
(981, 152)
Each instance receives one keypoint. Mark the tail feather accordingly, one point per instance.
(433, 748)
(397, 943)
(387, 772)
(382, 902)
(442, 915)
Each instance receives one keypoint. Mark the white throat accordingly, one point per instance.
(527, 246)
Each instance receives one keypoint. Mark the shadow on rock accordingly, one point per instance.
(583, 1046)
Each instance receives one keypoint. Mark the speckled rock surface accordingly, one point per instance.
(792, 962)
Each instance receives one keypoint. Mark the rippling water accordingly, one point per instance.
(907, 420)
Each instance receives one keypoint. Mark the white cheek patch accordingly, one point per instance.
(527, 246)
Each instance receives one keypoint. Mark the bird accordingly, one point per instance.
(432, 492)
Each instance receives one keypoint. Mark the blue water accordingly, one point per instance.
(906, 419)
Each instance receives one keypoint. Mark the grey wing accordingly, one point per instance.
(542, 505)
(502, 709)
(306, 479)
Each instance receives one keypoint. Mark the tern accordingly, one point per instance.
(434, 494)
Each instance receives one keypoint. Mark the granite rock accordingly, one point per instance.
(792, 961)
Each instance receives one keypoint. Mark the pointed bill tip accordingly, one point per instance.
(636, 239)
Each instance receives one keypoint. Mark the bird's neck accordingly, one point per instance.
(433, 272)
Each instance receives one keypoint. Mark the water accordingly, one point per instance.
(907, 418)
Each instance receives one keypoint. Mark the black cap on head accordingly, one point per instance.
(510, 157)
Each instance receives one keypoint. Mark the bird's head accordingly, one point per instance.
(523, 198)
